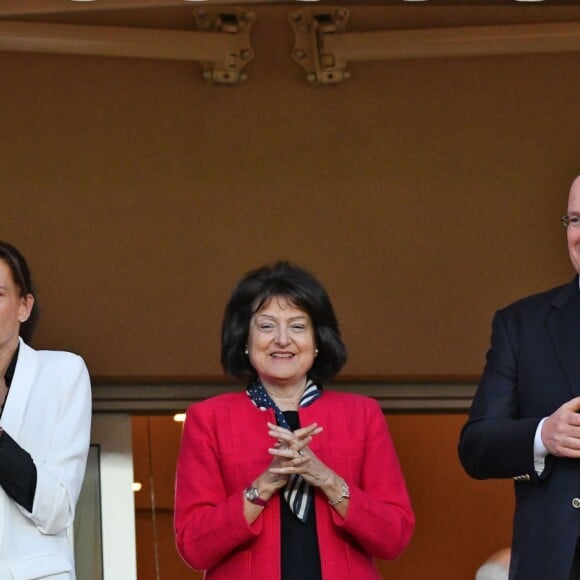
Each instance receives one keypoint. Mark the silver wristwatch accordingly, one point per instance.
(253, 496)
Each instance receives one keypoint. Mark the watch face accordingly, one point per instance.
(253, 495)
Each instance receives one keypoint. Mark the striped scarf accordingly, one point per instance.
(297, 492)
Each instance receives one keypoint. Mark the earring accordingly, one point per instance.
(246, 350)
(315, 352)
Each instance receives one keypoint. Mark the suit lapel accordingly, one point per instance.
(564, 329)
(22, 382)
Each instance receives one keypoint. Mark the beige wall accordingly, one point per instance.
(423, 193)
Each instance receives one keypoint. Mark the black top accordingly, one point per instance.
(17, 470)
(11, 368)
(300, 553)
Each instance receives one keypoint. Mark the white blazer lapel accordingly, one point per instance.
(22, 382)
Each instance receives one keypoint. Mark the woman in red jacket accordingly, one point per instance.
(287, 480)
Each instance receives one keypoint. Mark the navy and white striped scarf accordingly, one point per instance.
(297, 493)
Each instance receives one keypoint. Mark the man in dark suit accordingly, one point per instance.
(524, 422)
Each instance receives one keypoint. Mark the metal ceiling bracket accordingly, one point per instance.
(312, 26)
(232, 26)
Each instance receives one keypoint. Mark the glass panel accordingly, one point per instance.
(88, 525)
(155, 446)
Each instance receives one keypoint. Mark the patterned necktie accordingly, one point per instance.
(297, 492)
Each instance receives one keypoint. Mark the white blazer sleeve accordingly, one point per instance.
(61, 468)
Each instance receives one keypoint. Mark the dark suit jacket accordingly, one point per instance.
(533, 367)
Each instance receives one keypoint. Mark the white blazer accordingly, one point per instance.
(48, 413)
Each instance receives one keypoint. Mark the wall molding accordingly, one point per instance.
(171, 397)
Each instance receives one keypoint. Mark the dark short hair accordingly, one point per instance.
(304, 291)
(21, 276)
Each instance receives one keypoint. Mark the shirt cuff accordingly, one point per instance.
(18, 476)
(540, 450)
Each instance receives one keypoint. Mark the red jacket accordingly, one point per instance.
(224, 448)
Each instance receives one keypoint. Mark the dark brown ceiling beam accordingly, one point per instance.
(23, 8)
(19, 8)
(17, 36)
(114, 41)
(453, 42)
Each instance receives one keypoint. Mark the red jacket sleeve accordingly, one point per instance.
(379, 517)
(209, 523)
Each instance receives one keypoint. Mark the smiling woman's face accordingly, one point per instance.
(281, 342)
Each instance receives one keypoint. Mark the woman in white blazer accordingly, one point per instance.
(45, 420)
